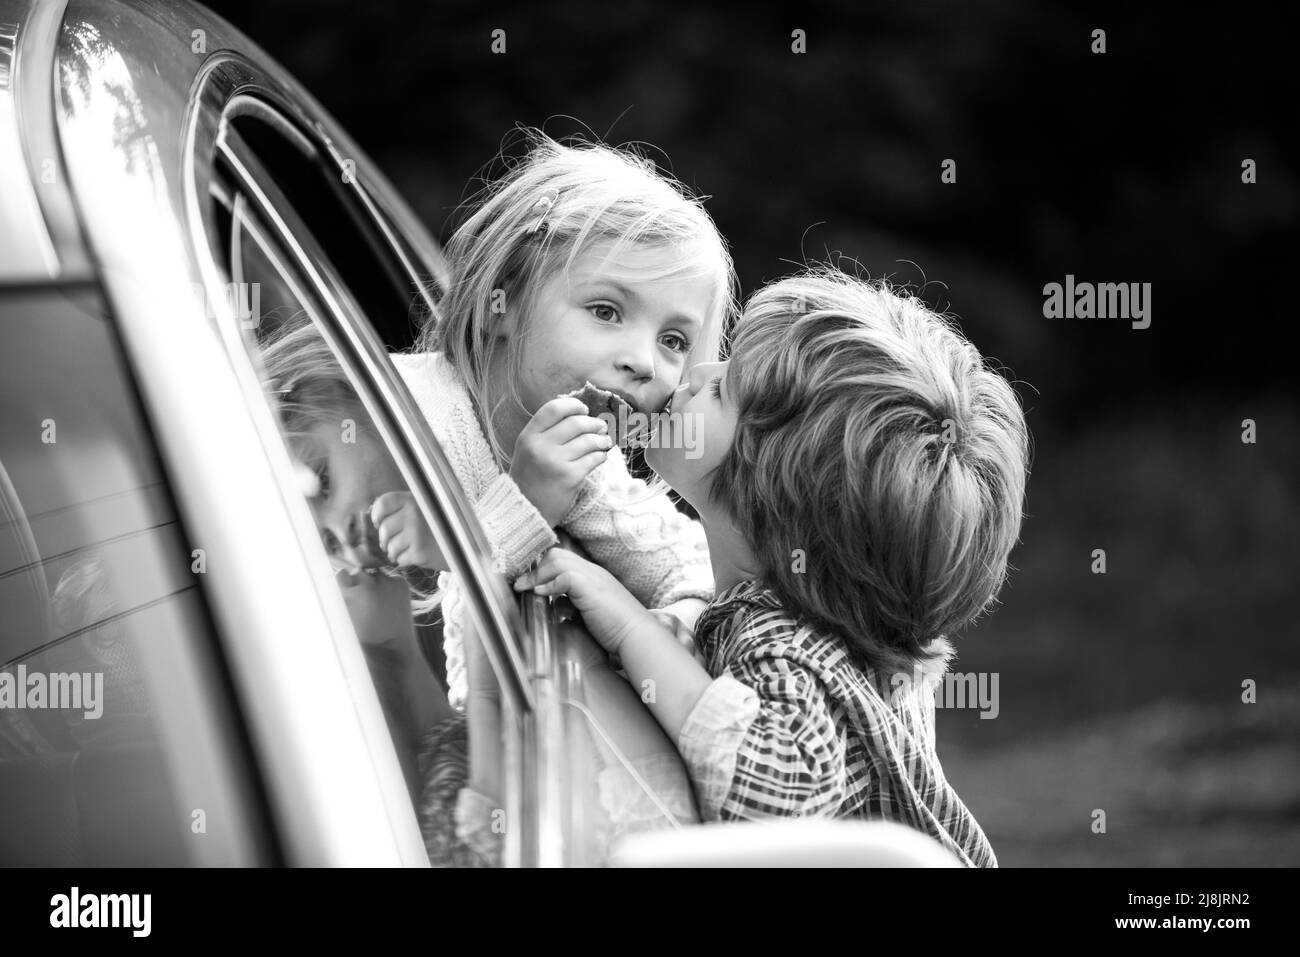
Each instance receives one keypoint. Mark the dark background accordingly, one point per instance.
(1121, 691)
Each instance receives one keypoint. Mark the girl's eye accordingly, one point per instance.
(323, 477)
(604, 312)
(715, 386)
(676, 343)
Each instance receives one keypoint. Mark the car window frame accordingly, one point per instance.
(385, 398)
(508, 640)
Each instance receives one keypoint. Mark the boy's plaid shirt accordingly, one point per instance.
(792, 727)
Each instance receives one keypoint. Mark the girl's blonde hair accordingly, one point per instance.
(307, 387)
(498, 257)
(305, 379)
(875, 441)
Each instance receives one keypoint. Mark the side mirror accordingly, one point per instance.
(808, 842)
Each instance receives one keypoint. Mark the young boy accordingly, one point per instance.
(861, 485)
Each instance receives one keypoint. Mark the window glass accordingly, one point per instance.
(345, 471)
(119, 742)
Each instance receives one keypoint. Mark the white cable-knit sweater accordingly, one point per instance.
(659, 554)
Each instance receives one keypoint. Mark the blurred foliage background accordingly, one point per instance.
(1119, 692)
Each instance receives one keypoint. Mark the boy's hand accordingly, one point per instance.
(609, 610)
(404, 536)
(559, 447)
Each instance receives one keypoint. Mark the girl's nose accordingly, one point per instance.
(639, 358)
(353, 530)
(343, 542)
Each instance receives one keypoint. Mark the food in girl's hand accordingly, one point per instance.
(597, 400)
(626, 424)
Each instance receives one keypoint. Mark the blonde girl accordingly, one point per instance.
(582, 264)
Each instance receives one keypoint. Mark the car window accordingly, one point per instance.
(120, 742)
(344, 465)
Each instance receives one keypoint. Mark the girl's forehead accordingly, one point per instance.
(304, 446)
(639, 262)
(313, 436)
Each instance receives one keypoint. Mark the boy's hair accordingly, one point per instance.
(872, 436)
(498, 259)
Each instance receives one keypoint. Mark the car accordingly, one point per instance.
(183, 680)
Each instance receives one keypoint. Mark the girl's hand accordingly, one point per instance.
(683, 632)
(404, 536)
(559, 447)
(609, 610)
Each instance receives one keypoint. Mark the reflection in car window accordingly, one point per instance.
(116, 720)
(344, 470)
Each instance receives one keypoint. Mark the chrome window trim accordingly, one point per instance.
(242, 104)
(547, 780)
(238, 216)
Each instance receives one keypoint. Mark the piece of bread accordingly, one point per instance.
(612, 408)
